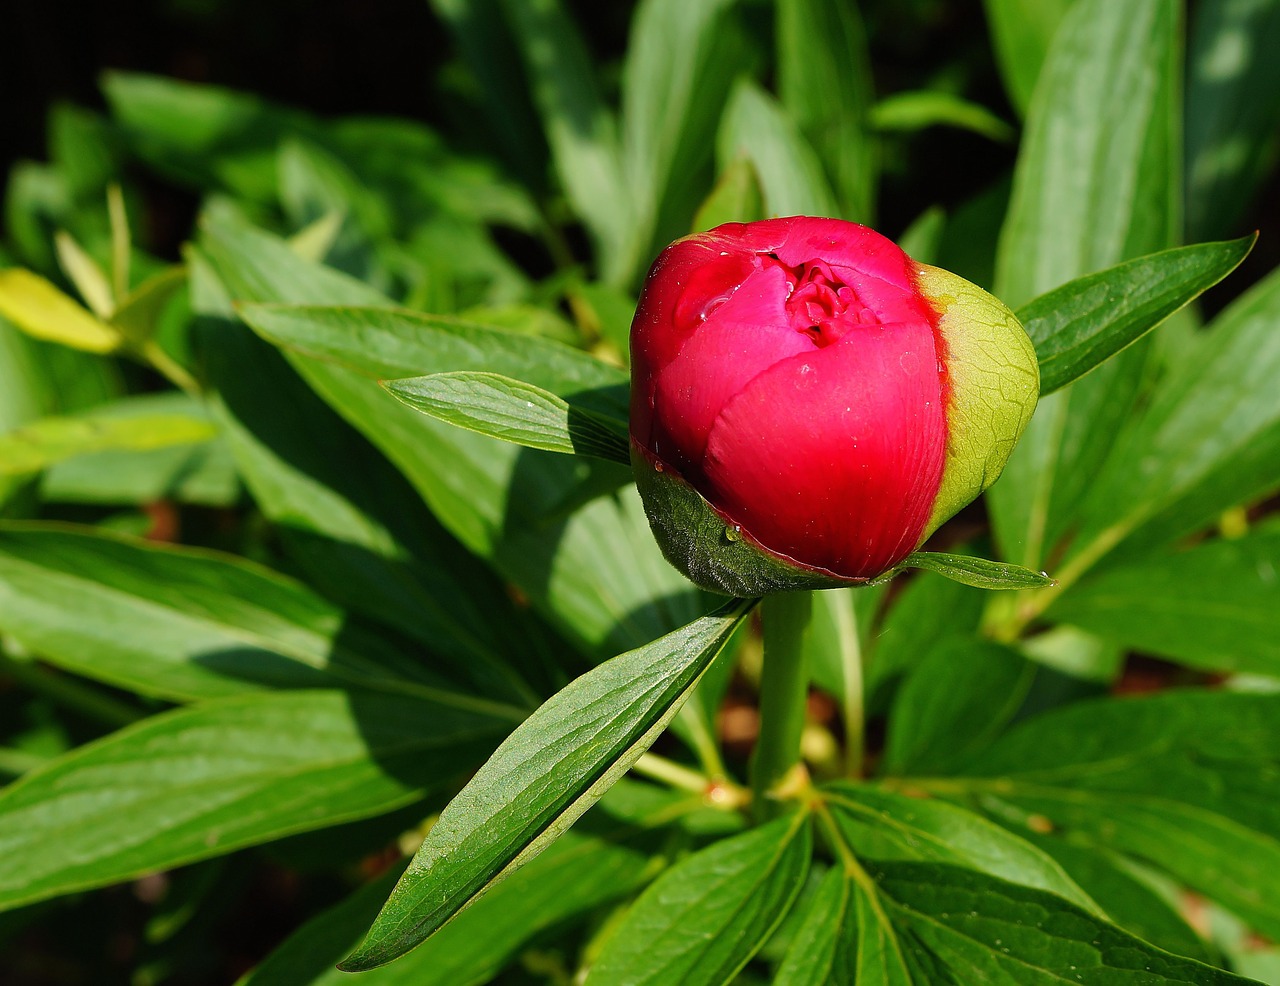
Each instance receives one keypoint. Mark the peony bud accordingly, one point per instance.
(808, 403)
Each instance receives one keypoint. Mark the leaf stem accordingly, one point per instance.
(784, 689)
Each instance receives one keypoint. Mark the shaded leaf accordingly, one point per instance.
(203, 781)
(542, 778)
(1021, 31)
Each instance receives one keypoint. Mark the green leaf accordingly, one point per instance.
(203, 781)
(43, 443)
(390, 343)
(702, 920)
(202, 472)
(756, 128)
(682, 56)
(844, 938)
(1096, 183)
(919, 109)
(982, 573)
(579, 128)
(1233, 111)
(1183, 780)
(883, 826)
(825, 84)
(1090, 319)
(542, 778)
(515, 411)
(1209, 440)
(186, 623)
(607, 855)
(1215, 605)
(956, 700)
(1021, 31)
(349, 518)
(585, 560)
(962, 926)
(736, 198)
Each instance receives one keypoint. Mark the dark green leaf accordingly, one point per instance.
(955, 701)
(203, 781)
(825, 84)
(1209, 440)
(1233, 110)
(965, 927)
(543, 777)
(1021, 31)
(515, 411)
(1183, 780)
(1215, 605)
(702, 920)
(1096, 184)
(982, 573)
(1088, 320)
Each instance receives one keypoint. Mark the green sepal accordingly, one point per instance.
(709, 551)
(994, 382)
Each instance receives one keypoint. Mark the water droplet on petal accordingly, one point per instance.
(733, 533)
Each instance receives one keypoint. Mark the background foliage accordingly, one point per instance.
(261, 618)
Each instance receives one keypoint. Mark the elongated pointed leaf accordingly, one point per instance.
(1216, 605)
(1021, 31)
(1181, 780)
(543, 777)
(515, 411)
(1096, 184)
(200, 782)
(1090, 319)
(702, 920)
(982, 573)
(41, 310)
(963, 926)
(185, 623)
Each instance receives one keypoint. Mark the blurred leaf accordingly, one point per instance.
(955, 701)
(200, 782)
(883, 826)
(1096, 184)
(1183, 780)
(1021, 31)
(682, 56)
(923, 237)
(1214, 606)
(962, 926)
(1233, 111)
(825, 84)
(137, 315)
(920, 109)
(579, 128)
(41, 444)
(756, 128)
(736, 198)
(982, 573)
(184, 623)
(702, 920)
(1209, 440)
(1088, 320)
(515, 411)
(84, 149)
(83, 271)
(555, 765)
(41, 310)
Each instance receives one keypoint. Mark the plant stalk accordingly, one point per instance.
(784, 689)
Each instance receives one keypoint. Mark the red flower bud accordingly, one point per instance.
(808, 403)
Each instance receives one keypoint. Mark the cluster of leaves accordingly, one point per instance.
(397, 594)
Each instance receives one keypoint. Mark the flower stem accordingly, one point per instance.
(784, 687)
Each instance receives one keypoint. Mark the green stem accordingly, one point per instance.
(851, 668)
(784, 689)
